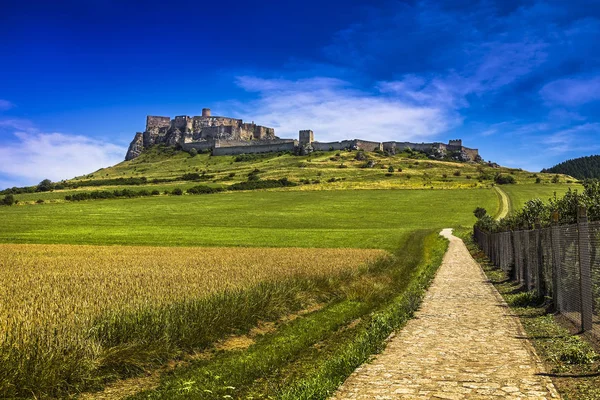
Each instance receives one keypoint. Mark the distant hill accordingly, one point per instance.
(580, 168)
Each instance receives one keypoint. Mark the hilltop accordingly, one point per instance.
(580, 168)
(162, 169)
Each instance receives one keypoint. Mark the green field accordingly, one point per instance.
(519, 194)
(345, 218)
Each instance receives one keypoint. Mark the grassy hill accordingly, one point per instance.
(112, 312)
(163, 169)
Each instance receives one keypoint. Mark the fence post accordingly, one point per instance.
(555, 240)
(585, 270)
(527, 263)
(539, 279)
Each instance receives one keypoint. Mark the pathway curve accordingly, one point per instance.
(463, 344)
(504, 203)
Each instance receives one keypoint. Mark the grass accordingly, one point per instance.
(310, 356)
(519, 194)
(74, 316)
(325, 219)
(572, 362)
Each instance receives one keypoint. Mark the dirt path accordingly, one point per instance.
(463, 344)
(504, 203)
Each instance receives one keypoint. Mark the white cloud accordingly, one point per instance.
(572, 91)
(35, 155)
(5, 105)
(335, 110)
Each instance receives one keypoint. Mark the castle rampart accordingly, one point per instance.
(224, 135)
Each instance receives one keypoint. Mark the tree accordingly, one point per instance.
(391, 169)
(45, 186)
(8, 200)
(480, 212)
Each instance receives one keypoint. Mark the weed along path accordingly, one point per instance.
(463, 344)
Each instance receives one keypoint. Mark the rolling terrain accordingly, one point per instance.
(350, 242)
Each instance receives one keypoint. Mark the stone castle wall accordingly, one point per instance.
(224, 135)
(255, 149)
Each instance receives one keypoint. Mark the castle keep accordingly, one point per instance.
(229, 136)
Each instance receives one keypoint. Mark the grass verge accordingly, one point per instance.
(312, 355)
(573, 364)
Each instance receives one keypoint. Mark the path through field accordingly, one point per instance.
(463, 344)
(504, 203)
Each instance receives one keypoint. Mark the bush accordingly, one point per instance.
(342, 165)
(479, 212)
(155, 192)
(203, 189)
(444, 176)
(45, 186)
(538, 180)
(555, 179)
(40, 201)
(177, 192)
(264, 184)
(231, 174)
(399, 169)
(8, 200)
(391, 169)
(456, 173)
(193, 152)
(504, 179)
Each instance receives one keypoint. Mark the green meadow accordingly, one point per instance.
(327, 218)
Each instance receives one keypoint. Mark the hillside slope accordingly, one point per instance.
(580, 168)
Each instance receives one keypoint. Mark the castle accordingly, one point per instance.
(230, 136)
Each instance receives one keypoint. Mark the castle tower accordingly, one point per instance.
(455, 143)
(306, 137)
(206, 112)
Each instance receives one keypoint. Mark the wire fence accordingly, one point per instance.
(561, 263)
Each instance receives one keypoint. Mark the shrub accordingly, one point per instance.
(193, 152)
(263, 184)
(468, 176)
(342, 165)
(555, 179)
(504, 179)
(231, 174)
(399, 169)
(456, 173)
(203, 189)
(8, 200)
(538, 180)
(479, 212)
(155, 192)
(40, 201)
(391, 169)
(192, 177)
(45, 186)
(177, 192)
(444, 176)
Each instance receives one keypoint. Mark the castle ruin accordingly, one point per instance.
(230, 136)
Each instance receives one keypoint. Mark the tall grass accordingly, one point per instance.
(74, 316)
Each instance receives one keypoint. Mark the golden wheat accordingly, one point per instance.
(51, 296)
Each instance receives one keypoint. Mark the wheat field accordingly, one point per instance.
(68, 310)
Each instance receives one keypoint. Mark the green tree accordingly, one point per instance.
(8, 200)
(45, 186)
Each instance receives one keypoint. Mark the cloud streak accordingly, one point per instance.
(572, 91)
(335, 110)
(33, 155)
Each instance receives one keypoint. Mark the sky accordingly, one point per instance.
(520, 80)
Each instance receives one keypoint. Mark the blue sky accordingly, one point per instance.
(520, 80)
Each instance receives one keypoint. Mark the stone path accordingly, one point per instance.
(463, 344)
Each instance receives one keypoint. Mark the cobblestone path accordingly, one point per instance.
(463, 344)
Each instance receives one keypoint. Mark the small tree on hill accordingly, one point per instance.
(8, 200)
(391, 169)
(45, 186)
(480, 212)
